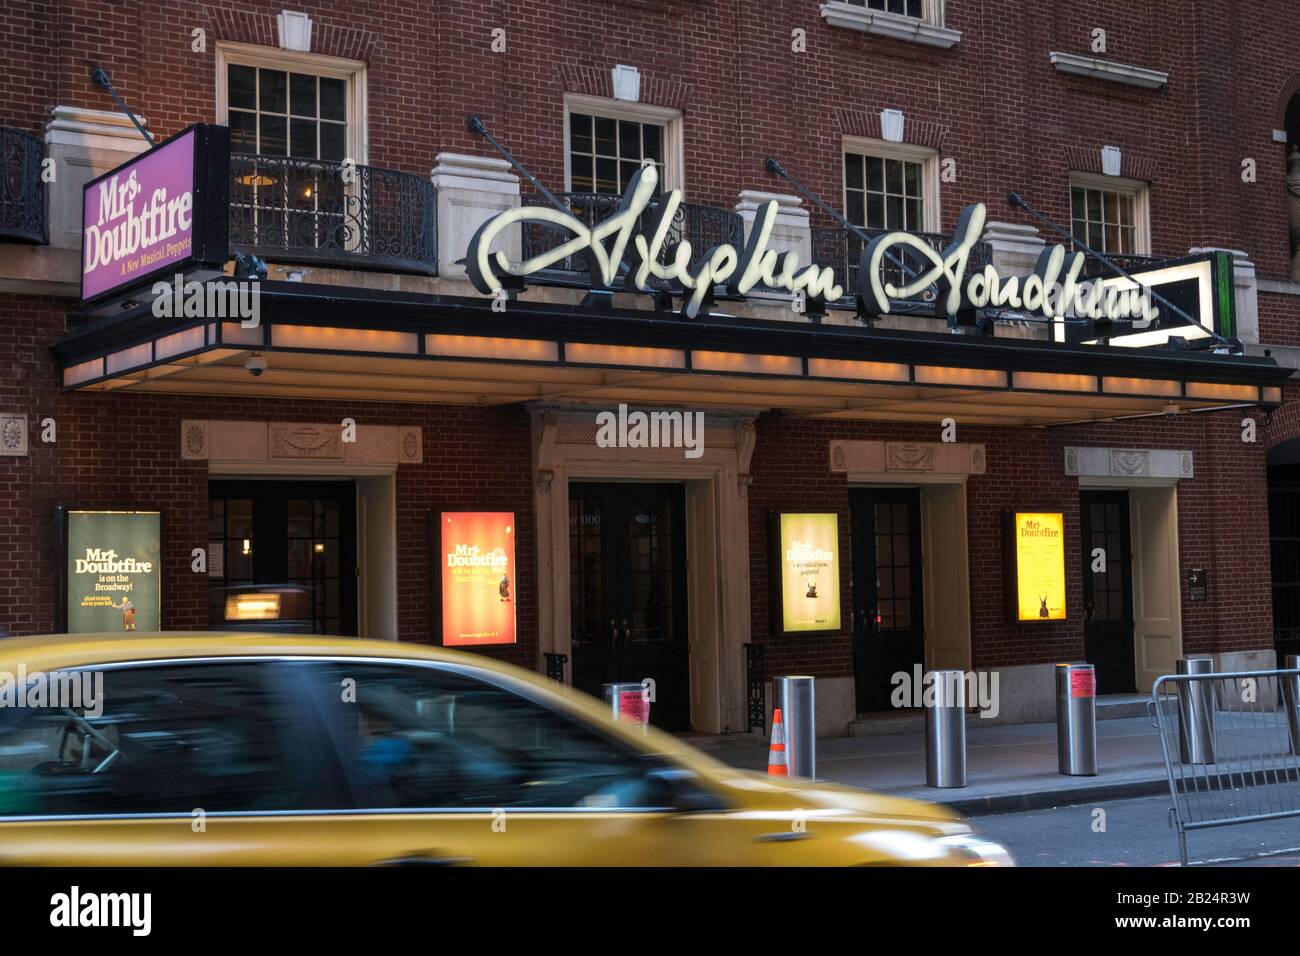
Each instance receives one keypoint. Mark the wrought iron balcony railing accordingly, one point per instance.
(323, 212)
(835, 246)
(703, 226)
(22, 192)
(1093, 269)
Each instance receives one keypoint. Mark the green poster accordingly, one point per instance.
(114, 571)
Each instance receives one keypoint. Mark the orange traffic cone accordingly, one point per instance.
(777, 766)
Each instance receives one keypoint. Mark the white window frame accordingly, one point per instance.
(670, 119)
(927, 30)
(352, 72)
(931, 12)
(1138, 189)
(925, 155)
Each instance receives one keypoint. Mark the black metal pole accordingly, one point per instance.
(99, 77)
(1015, 199)
(475, 125)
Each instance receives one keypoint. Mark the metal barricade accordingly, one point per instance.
(1255, 770)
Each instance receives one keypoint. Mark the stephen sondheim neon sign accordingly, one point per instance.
(639, 239)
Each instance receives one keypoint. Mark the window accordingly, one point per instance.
(1108, 214)
(882, 192)
(276, 112)
(280, 103)
(906, 8)
(912, 21)
(162, 739)
(607, 141)
(887, 187)
(605, 153)
(426, 737)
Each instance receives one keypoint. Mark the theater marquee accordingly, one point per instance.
(474, 577)
(805, 572)
(1036, 556)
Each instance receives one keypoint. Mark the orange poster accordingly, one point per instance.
(478, 577)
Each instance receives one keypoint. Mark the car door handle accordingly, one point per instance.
(425, 858)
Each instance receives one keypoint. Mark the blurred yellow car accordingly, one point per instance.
(266, 749)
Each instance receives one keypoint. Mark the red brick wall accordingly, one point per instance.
(993, 103)
(1222, 514)
(123, 451)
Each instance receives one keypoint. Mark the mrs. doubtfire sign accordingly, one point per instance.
(163, 212)
(114, 571)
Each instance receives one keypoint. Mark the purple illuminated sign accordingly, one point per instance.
(161, 213)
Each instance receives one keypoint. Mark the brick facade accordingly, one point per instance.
(993, 104)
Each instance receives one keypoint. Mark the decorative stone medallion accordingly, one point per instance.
(194, 440)
(13, 436)
(410, 445)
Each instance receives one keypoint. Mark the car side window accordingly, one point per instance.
(158, 739)
(426, 737)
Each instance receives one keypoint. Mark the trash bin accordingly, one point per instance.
(1076, 720)
(797, 699)
(1196, 712)
(1291, 700)
(628, 703)
(945, 730)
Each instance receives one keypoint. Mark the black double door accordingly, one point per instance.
(1108, 593)
(888, 610)
(287, 550)
(627, 573)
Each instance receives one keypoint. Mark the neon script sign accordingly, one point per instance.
(1052, 289)
(636, 235)
(641, 243)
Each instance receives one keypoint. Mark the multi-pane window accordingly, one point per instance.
(605, 153)
(285, 113)
(893, 565)
(883, 193)
(906, 8)
(1104, 219)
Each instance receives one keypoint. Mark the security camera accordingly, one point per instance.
(256, 365)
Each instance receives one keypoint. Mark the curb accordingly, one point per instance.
(1045, 799)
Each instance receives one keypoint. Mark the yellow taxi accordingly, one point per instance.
(264, 749)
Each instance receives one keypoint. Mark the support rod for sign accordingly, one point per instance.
(475, 125)
(1015, 199)
(772, 166)
(99, 77)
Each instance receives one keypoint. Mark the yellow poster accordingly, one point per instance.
(1040, 565)
(809, 562)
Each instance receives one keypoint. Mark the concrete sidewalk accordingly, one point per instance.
(1008, 767)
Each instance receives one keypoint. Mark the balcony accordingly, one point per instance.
(703, 226)
(22, 192)
(322, 212)
(835, 246)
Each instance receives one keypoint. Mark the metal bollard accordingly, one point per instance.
(1196, 712)
(1076, 720)
(628, 703)
(797, 698)
(945, 730)
(1291, 701)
